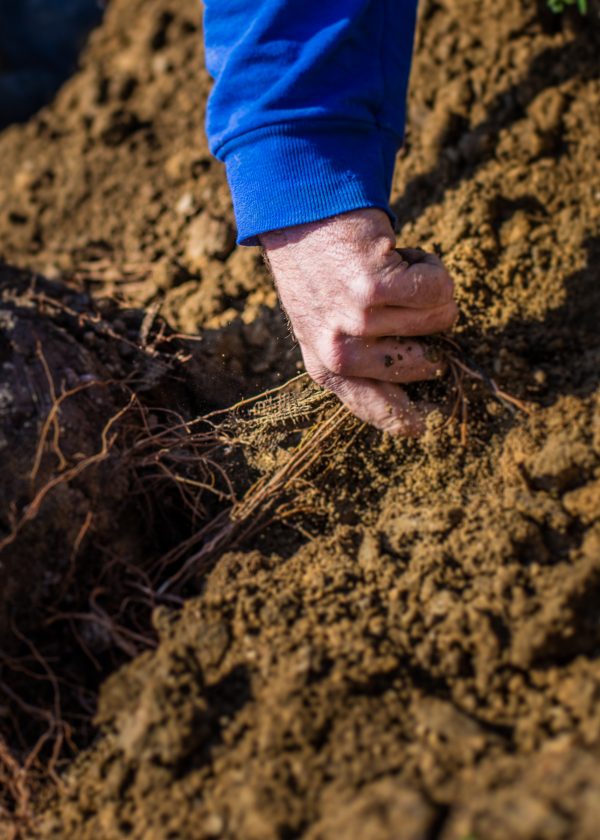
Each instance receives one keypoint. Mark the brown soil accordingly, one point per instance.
(419, 659)
(113, 185)
(40, 359)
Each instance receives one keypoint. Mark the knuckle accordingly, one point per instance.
(318, 374)
(359, 322)
(334, 356)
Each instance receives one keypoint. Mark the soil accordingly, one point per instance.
(113, 186)
(35, 348)
(88, 504)
(417, 657)
(79, 376)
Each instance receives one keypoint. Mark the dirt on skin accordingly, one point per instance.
(423, 661)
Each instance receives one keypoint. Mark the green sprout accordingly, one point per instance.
(559, 6)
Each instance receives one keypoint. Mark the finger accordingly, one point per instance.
(398, 321)
(419, 285)
(384, 359)
(382, 404)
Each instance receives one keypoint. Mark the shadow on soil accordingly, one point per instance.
(565, 345)
(549, 69)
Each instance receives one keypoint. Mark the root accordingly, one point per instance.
(16, 817)
(247, 516)
(463, 368)
(33, 508)
(276, 496)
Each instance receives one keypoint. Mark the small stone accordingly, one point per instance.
(584, 502)
(185, 205)
(207, 238)
(547, 109)
(213, 825)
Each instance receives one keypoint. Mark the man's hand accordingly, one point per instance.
(355, 303)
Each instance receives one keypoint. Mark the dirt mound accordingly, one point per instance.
(373, 682)
(54, 388)
(113, 186)
(78, 379)
(419, 658)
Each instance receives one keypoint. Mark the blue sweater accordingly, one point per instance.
(308, 106)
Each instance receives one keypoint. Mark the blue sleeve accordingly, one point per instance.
(308, 106)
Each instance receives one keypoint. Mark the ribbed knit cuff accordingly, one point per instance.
(294, 173)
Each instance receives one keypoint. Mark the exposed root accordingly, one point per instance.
(16, 817)
(276, 495)
(462, 368)
(247, 516)
(67, 475)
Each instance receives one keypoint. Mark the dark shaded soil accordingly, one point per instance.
(80, 378)
(89, 503)
(422, 662)
(43, 432)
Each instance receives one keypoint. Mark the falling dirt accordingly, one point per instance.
(417, 656)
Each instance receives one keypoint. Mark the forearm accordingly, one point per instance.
(307, 110)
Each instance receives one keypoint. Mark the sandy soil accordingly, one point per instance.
(418, 657)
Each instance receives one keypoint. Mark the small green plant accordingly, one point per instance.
(559, 6)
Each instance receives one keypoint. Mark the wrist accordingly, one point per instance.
(351, 228)
(288, 174)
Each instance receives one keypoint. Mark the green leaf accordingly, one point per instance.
(558, 6)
